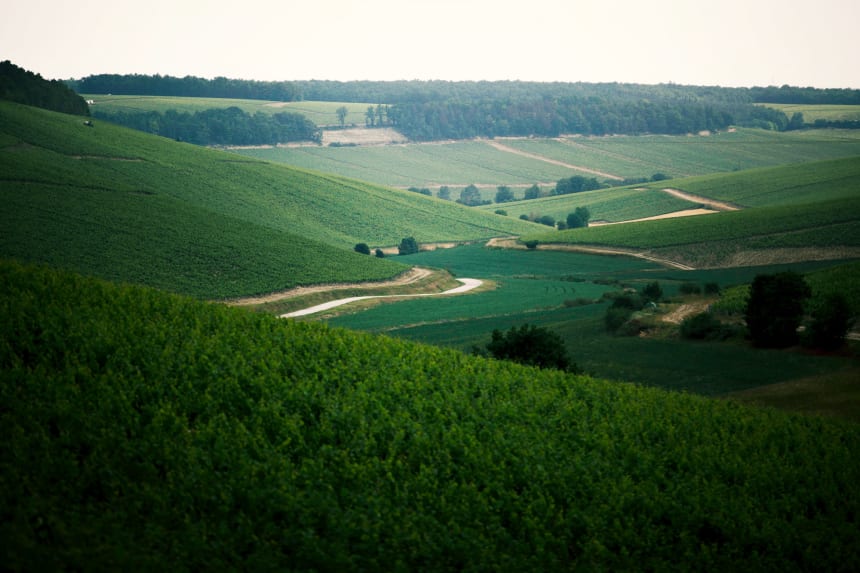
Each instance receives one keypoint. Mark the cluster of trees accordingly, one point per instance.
(429, 110)
(579, 218)
(220, 126)
(780, 312)
(188, 86)
(22, 86)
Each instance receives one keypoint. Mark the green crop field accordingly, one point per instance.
(613, 205)
(784, 185)
(423, 165)
(684, 156)
(538, 287)
(322, 113)
(129, 206)
(461, 163)
(145, 431)
(811, 112)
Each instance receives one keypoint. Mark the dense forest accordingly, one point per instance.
(220, 126)
(431, 110)
(21, 86)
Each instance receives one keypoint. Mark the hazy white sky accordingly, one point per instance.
(702, 42)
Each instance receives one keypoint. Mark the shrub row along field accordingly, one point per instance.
(148, 431)
(123, 205)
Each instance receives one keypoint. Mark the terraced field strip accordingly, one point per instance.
(503, 147)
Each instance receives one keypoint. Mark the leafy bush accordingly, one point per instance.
(362, 248)
(831, 319)
(775, 308)
(616, 316)
(690, 288)
(652, 291)
(408, 246)
(703, 326)
(531, 345)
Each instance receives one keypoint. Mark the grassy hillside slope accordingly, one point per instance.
(125, 205)
(147, 431)
(803, 212)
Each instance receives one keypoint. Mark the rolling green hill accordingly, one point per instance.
(124, 205)
(800, 212)
(148, 431)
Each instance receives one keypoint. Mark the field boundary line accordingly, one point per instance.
(507, 149)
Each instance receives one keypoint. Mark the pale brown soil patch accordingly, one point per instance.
(411, 276)
(718, 205)
(672, 215)
(678, 315)
(363, 136)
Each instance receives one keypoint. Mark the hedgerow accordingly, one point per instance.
(147, 431)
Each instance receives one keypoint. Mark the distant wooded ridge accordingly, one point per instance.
(434, 110)
(393, 92)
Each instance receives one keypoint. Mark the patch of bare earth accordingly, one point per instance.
(685, 310)
(413, 275)
(718, 205)
(672, 215)
(363, 136)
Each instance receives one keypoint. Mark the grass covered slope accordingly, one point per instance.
(121, 204)
(148, 431)
(799, 212)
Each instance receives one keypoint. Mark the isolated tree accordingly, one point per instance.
(470, 196)
(370, 116)
(775, 308)
(379, 113)
(547, 220)
(362, 248)
(652, 292)
(579, 218)
(380, 254)
(444, 193)
(341, 115)
(504, 194)
(532, 192)
(531, 345)
(407, 246)
(831, 319)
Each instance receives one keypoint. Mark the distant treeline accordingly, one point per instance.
(227, 126)
(21, 86)
(189, 86)
(428, 110)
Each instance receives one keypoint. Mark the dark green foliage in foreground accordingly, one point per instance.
(144, 431)
(775, 308)
(531, 345)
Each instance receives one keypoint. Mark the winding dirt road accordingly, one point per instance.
(468, 284)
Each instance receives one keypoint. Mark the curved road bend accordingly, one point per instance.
(468, 284)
